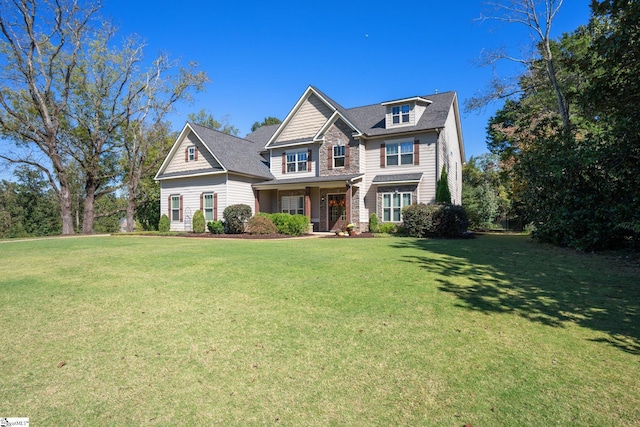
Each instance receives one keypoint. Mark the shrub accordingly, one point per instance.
(198, 222)
(235, 217)
(164, 225)
(441, 219)
(374, 223)
(261, 224)
(442, 190)
(280, 221)
(297, 225)
(215, 227)
(388, 227)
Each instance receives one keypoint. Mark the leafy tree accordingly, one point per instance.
(266, 122)
(203, 118)
(443, 194)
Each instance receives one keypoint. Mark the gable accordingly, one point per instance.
(179, 163)
(308, 119)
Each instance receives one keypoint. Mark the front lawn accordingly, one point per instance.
(494, 331)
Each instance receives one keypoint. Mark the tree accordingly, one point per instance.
(203, 118)
(537, 16)
(39, 52)
(266, 122)
(443, 194)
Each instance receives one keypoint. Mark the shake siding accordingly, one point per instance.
(178, 163)
(277, 158)
(308, 120)
(190, 189)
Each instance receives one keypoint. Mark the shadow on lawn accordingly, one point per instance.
(512, 274)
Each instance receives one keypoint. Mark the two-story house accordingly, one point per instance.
(324, 161)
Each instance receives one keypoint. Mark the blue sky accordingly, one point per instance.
(261, 56)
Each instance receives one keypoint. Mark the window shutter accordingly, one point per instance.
(202, 202)
(186, 154)
(181, 217)
(330, 154)
(383, 153)
(215, 206)
(309, 161)
(346, 156)
(196, 153)
(416, 152)
(169, 208)
(284, 163)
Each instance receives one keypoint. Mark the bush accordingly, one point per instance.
(374, 223)
(215, 227)
(261, 224)
(235, 217)
(442, 190)
(441, 220)
(388, 227)
(164, 225)
(198, 222)
(292, 225)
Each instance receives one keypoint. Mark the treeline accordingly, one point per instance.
(565, 152)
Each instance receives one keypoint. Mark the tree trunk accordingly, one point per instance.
(131, 210)
(89, 206)
(66, 210)
(134, 181)
(563, 108)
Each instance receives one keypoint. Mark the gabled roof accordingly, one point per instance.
(234, 154)
(336, 109)
(262, 135)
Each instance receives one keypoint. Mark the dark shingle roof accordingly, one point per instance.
(262, 135)
(400, 177)
(235, 154)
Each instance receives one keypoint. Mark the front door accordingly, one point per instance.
(337, 211)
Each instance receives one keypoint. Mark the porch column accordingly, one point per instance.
(307, 202)
(347, 204)
(257, 201)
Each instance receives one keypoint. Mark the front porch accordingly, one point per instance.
(328, 202)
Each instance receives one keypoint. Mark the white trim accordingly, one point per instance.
(406, 100)
(190, 175)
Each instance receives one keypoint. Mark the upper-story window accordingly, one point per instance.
(400, 154)
(297, 162)
(400, 114)
(338, 156)
(191, 154)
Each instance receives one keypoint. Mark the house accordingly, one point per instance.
(332, 164)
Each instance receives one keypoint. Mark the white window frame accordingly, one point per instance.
(292, 205)
(175, 211)
(192, 153)
(399, 154)
(392, 210)
(339, 154)
(207, 209)
(400, 114)
(296, 161)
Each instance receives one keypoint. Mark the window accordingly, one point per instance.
(400, 114)
(400, 154)
(175, 208)
(293, 204)
(392, 204)
(338, 156)
(297, 162)
(208, 207)
(192, 153)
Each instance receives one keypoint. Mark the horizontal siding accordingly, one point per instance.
(451, 157)
(190, 189)
(308, 120)
(427, 186)
(276, 162)
(240, 191)
(178, 163)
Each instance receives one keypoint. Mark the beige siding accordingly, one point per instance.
(308, 120)
(426, 187)
(190, 189)
(276, 162)
(450, 156)
(240, 191)
(412, 115)
(178, 163)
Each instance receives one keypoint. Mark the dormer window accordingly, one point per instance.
(400, 114)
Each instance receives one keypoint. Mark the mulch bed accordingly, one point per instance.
(268, 236)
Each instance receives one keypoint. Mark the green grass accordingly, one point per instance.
(495, 331)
